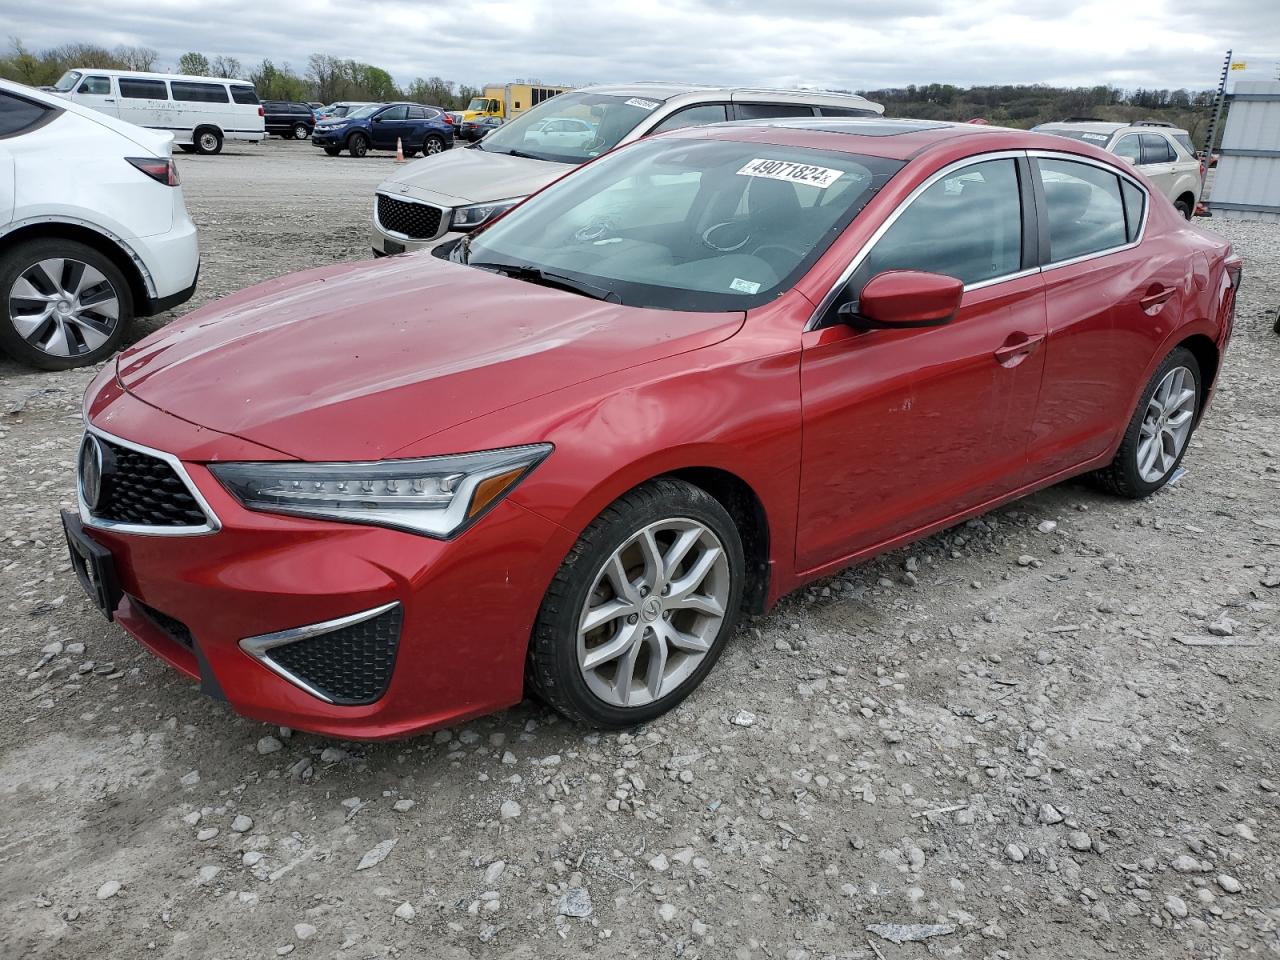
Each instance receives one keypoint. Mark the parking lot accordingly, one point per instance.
(1052, 731)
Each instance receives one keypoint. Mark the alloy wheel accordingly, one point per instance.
(653, 612)
(432, 147)
(1166, 425)
(64, 307)
(300, 132)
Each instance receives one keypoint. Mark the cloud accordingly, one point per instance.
(851, 44)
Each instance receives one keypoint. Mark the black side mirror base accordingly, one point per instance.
(849, 315)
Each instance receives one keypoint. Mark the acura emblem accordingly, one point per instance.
(91, 471)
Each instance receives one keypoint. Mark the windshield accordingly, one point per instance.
(685, 224)
(571, 128)
(359, 113)
(478, 103)
(67, 81)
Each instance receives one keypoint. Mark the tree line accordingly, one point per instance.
(1029, 104)
(327, 78)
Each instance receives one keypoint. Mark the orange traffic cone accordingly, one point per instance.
(399, 151)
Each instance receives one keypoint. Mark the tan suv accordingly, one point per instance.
(1164, 153)
(433, 201)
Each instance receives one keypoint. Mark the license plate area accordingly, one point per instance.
(93, 565)
(391, 247)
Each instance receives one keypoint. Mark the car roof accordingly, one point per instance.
(149, 75)
(661, 90)
(893, 139)
(1105, 127)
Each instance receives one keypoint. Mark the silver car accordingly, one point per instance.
(433, 201)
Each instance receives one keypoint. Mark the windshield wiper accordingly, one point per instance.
(545, 278)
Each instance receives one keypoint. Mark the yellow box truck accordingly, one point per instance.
(509, 100)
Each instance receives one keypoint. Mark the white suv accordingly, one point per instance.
(1164, 153)
(431, 202)
(93, 229)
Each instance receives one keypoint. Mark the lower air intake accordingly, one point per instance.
(351, 665)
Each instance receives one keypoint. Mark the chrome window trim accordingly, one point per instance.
(212, 523)
(446, 217)
(825, 303)
(1124, 175)
(259, 647)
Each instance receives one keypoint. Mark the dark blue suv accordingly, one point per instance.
(381, 125)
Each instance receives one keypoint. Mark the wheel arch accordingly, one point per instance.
(141, 285)
(1208, 358)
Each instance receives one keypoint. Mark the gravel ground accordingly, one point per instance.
(1050, 732)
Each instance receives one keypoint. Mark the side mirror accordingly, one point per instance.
(1131, 161)
(377, 119)
(904, 299)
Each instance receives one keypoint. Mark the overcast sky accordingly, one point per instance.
(857, 44)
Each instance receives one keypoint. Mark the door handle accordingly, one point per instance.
(1156, 297)
(1012, 354)
(108, 99)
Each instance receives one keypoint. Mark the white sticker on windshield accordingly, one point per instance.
(744, 286)
(1101, 137)
(642, 104)
(820, 177)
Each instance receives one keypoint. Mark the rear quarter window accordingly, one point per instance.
(243, 94)
(1184, 141)
(192, 92)
(18, 115)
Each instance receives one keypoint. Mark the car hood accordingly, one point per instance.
(360, 361)
(458, 177)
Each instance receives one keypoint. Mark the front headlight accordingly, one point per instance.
(478, 214)
(435, 496)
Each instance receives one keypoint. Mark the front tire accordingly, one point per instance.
(64, 304)
(640, 609)
(208, 141)
(1159, 431)
(358, 145)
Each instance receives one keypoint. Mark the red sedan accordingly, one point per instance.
(376, 498)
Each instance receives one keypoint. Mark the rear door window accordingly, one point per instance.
(192, 92)
(1085, 211)
(131, 88)
(1156, 149)
(18, 115)
(968, 225)
(770, 111)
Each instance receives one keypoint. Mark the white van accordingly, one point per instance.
(200, 112)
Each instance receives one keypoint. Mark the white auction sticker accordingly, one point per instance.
(744, 286)
(642, 104)
(807, 174)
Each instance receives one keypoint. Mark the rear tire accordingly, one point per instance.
(301, 131)
(1185, 207)
(94, 296)
(696, 598)
(1154, 442)
(432, 145)
(208, 141)
(358, 145)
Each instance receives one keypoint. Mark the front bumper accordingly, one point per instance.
(466, 606)
(328, 138)
(387, 244)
